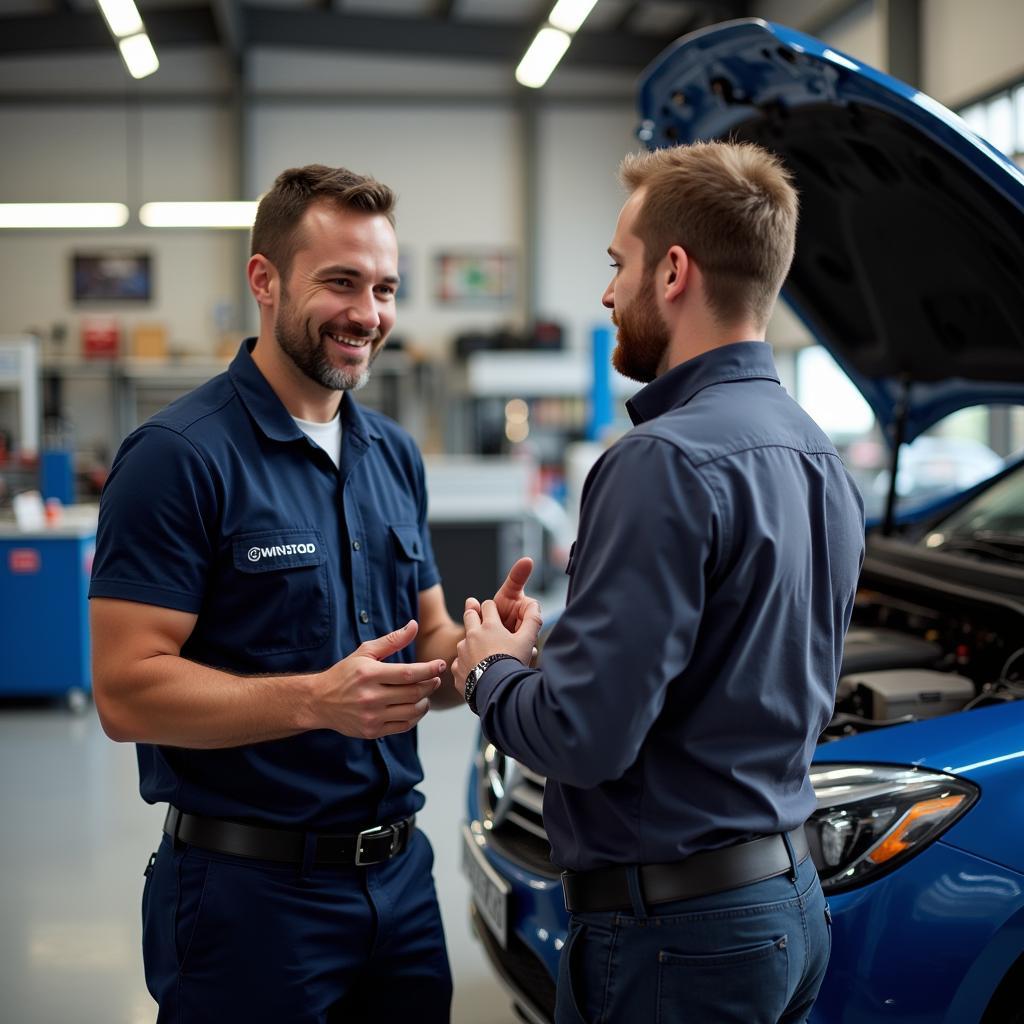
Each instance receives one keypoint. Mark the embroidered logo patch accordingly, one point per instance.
(280, 550)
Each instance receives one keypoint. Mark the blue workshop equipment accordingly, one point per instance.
(44, 614)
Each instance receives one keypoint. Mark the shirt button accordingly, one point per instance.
(356, 545)
(364, 616)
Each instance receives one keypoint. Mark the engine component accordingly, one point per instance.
(897, 693)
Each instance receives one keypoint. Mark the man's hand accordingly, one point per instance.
(487, 634)
(510, 600)
(363, 697)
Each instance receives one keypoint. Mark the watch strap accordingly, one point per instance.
(474, 677)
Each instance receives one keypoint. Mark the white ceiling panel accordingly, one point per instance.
(502, 10)
(388, 8)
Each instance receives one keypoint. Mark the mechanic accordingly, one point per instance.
(680, 695)
(263, 568)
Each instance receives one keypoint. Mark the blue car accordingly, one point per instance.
(909, 271)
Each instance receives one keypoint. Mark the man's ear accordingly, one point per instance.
(262, 280)
(676, 272)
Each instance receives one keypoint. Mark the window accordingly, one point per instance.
(959, 451)
(999, 119)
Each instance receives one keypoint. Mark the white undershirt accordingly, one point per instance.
(325, 435)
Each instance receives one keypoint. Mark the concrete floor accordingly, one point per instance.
(75, 837)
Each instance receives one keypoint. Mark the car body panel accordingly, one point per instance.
(985, 745)
(879, 970)
(538, 916)
(891, 184)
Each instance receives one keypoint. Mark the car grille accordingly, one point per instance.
(511, 802)
(522, 971)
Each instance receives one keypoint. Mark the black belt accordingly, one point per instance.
(372, 845)
(606, 889)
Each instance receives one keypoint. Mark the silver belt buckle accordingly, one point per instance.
(373, 833)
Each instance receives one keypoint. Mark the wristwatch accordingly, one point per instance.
(474, 674)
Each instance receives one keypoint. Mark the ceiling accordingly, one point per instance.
(619, 34)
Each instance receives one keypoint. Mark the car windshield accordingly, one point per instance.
(990, 525)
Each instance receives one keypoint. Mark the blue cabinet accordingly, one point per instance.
(44, 615)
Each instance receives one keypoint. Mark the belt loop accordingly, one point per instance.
(308, 854)
(636, 895)
(792, 856)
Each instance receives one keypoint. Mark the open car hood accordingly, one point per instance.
(909, 263)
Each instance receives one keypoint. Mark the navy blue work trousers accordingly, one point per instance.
(230, 939)
(752, 955)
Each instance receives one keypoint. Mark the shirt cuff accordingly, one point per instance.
(494, 677)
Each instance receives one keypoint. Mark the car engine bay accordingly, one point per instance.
(932, 634)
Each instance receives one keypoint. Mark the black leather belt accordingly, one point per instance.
(606, 889)
(372, 845)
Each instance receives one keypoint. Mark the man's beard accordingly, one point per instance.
(643, 337)
(309, 352)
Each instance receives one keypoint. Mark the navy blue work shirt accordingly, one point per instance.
(681, 692)
(221, 506)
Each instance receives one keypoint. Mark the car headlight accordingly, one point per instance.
(871, 818)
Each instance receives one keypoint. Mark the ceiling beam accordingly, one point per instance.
(227, 16)
(432, 38)
(86, 30)
(622, 21)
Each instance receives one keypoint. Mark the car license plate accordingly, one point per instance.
(490, 890)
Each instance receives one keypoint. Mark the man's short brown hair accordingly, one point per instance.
(732, 207)
(276, 235)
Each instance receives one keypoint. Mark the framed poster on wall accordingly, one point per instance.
(474, 277)
(111, 275)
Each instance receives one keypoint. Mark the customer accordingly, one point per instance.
(681, 693)
(263, 568)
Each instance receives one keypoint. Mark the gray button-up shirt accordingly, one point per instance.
(680, 694)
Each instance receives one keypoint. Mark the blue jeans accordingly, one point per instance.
(227, 939)
(752, 955)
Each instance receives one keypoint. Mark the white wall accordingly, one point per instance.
(107, 153)
(457, 172)
(579, 200)
(970, 48)
(861, 34)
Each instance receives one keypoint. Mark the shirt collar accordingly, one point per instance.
(742, 360)
(268, 410)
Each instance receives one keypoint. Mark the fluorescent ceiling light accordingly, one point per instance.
(542, 57)
(122, 17)
(63, 215)
(568, 15)
(139, 55)
(198, 215)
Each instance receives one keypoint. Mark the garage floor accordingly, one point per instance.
(75, 837)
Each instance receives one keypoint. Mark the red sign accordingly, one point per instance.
(101, 337)
(24, 561)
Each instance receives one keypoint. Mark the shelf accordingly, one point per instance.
(530, 374)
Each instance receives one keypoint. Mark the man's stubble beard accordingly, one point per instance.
(643, 337)
(309, 354)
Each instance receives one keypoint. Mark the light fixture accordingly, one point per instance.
(122, 17)
(125, 24)
(198, 215)
(63, 215)
(542, 57)
(138, 54)
(568, 15)
(551, 42)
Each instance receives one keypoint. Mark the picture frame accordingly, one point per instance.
(475, 277)
(111, 275)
